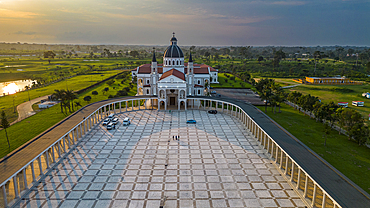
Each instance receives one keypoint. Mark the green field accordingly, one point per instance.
(346, 156)
(34, 68)
(238, 83)
(75, 83)
(27, 129)
(339, 93)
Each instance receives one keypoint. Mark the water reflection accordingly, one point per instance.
(14, 86)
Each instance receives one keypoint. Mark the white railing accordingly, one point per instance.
(27, 176)
(309, 190)
(20, 182)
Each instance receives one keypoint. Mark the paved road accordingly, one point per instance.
(25, 109)
(291, 86)
(246, 95)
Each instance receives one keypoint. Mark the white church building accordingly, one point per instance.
(174, 80)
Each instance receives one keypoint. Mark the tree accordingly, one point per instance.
(78, 104)
(134, 54)
(206, 86)
(110, 82)
(245, 52)
(95, 93)
(28, 88)
(105, 90)
(59, 95)
(359, 132)
(327, 130)
(49, 55)
(87, 98)
(70, 96)
(277, 57)
(317, 56)
(5, 124)
(260, 58)
(264, 88)
(207, 54)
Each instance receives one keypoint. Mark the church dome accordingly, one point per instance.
(173, 51)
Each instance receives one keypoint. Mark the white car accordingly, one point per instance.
(115, 120)
(126, 121)
(106, 121)
(111, 126)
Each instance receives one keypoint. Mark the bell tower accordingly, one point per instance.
(190, 76)
(154, 75)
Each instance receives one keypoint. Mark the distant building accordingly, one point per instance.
(174, 80)
(327, 81)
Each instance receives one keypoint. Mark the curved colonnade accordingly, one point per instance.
(305, 181)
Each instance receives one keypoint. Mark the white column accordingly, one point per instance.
(5, 197)
(25, 178)
(299, 178)
(314, 195)
(323, 199)
(15, 184)
(305, 187)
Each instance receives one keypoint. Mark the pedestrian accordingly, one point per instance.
(176, 137)
(173, 137)
(179, 136)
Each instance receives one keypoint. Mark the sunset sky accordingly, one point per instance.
(196, 22)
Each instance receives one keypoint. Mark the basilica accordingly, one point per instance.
(174, 80)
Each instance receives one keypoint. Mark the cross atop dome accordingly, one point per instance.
(173, 39)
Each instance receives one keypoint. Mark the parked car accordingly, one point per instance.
(111, 126)
(126, 121)
(213, 92)
(115, 121)
(212, 111)
(191, 121)
(106, 121)
(111, 116)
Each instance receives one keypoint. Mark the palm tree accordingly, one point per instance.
(70, 96)
(4, 123)
(27, 88)
(206, 85)
(59, 95)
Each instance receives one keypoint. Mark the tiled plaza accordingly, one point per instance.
(215, 163)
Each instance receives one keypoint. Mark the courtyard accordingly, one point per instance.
(215, 163)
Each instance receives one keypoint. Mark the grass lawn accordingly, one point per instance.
(238, 83)
(33, 67)
(333, 93)
(74, 83)
(346, 156)
(27, 129)
(285, 81)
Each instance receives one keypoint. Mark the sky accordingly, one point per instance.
(195, 22)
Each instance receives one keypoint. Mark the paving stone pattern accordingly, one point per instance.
(215, 163)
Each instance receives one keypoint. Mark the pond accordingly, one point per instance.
(12, 87)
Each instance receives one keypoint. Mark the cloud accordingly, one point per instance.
(6, 13)
(24, 33)
(290, 3)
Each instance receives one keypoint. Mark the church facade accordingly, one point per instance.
(174, 80)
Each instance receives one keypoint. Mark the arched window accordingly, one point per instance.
(198, 92)
(198, 81)
(147, 91)
(173, 62)
(177, 62)
(166, 62)
(147, 81)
